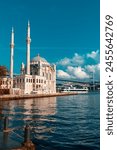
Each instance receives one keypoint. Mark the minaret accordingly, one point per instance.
(12, 53)
(22, 68)
(28, 40)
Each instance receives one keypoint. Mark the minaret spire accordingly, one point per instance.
(28, 40)
(11, 53)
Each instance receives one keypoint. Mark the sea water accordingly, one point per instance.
(57, 123)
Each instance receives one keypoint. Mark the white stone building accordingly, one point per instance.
(5, 83)
(38, 76)
(42, 77)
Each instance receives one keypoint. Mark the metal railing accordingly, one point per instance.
(27, 143)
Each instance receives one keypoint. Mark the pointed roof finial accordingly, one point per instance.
(12, 36)
(12, 29)
(28, 23)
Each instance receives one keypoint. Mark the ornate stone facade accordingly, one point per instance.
(42, 78)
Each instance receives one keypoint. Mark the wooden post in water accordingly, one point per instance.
(27, 134)
(27, 145)
(6, 122)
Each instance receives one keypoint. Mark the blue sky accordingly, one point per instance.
(60, 30)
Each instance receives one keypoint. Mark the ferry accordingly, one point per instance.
(74, 89)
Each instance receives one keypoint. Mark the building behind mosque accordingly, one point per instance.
(37, 76)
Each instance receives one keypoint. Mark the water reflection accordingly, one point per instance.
(35, 112)
(44, 106)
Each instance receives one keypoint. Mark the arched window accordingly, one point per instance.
(47, 76)
(50, 76)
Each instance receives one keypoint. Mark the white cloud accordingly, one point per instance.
(62, 74)
(93, 68)
(75, 60)
(94, 55)
(64, 61)
(77, 72)
(77, 67)
(80, 72)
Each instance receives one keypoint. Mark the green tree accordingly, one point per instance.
(3, 71)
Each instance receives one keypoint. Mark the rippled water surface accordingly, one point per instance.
(57, 123)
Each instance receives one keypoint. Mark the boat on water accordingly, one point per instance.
(74, 89)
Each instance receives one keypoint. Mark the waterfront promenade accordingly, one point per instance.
(28, 96)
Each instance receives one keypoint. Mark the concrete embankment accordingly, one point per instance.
(17, 97)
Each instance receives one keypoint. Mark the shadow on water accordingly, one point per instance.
(62, 123)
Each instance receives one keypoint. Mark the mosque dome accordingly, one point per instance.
(38, 58)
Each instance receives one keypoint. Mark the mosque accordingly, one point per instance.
(36, 77)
